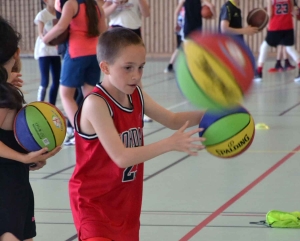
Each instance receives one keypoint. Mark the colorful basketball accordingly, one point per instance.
(38, 125)
(206, 12)
(228, 133)
(213, 70)
(258, 17)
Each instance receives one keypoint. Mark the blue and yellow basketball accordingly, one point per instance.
(214, 70)
(38, 125)
(228, 133)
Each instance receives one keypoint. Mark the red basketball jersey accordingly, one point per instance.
(282, 18)
(105, 199)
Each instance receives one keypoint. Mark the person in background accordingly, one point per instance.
(86, 22)
(280, 32)
(46, 55)
(178, 30)
(230, 20)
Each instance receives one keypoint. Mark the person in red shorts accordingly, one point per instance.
(280, 32)
(107, 183)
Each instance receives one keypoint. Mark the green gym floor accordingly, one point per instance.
(195, 198)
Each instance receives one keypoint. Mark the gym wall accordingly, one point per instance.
(158, 29)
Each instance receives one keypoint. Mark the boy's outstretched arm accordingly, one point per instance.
(168, 118)
(96, 117)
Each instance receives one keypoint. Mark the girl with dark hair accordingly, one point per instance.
(16, 201)
(80, 69)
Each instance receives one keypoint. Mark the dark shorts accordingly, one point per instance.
(178, 40)
(281, 37)
(79, 71)
(16, 202)
(137, 31)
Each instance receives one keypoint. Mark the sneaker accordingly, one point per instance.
(169, 69)
(289, 67)
(258, 77)
(70, 142)
(69, 139)
(147, 119)
(297, 79)
(275, 70)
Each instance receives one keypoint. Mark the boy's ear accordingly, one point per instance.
(104, 67)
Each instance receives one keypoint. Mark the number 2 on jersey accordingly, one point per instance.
(130, 173)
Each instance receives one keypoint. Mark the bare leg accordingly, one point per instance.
(68, 102)
(9, 237)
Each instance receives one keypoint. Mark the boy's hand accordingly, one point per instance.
(249, 30)
(184, 142)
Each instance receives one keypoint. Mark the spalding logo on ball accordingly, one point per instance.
(38, 125)
(213, 70)
(228, 133)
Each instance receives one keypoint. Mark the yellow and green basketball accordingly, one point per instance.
(228, 133)
(38, 125)
(214, 70)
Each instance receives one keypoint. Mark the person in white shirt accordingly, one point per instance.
(126, 13)
(47, 55)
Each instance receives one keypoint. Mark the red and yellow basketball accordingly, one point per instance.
(228, 133)
(214, 71)
(38, 125)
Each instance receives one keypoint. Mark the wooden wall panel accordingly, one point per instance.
(21, 13)
(158, 29)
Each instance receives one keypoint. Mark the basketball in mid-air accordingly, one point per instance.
(214, 71)
(258, 17)
(38, 125)
(59, 39)
(228, 133)
(206, 12)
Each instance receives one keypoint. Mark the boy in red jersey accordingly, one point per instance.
(107, 183)
(280, 32)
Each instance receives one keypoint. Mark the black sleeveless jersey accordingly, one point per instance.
(8, 138)
(192, 18)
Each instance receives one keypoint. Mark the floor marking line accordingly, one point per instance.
(221, 209)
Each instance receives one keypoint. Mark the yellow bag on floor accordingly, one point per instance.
(280, 219)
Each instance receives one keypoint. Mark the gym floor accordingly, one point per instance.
(195, 198)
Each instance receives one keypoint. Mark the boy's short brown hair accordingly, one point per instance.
(113, 40)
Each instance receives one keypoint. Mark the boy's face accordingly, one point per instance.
(127, 70)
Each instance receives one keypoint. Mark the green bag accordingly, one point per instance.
(280, 219)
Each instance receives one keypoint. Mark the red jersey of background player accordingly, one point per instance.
(105, 199)
(282, 18)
